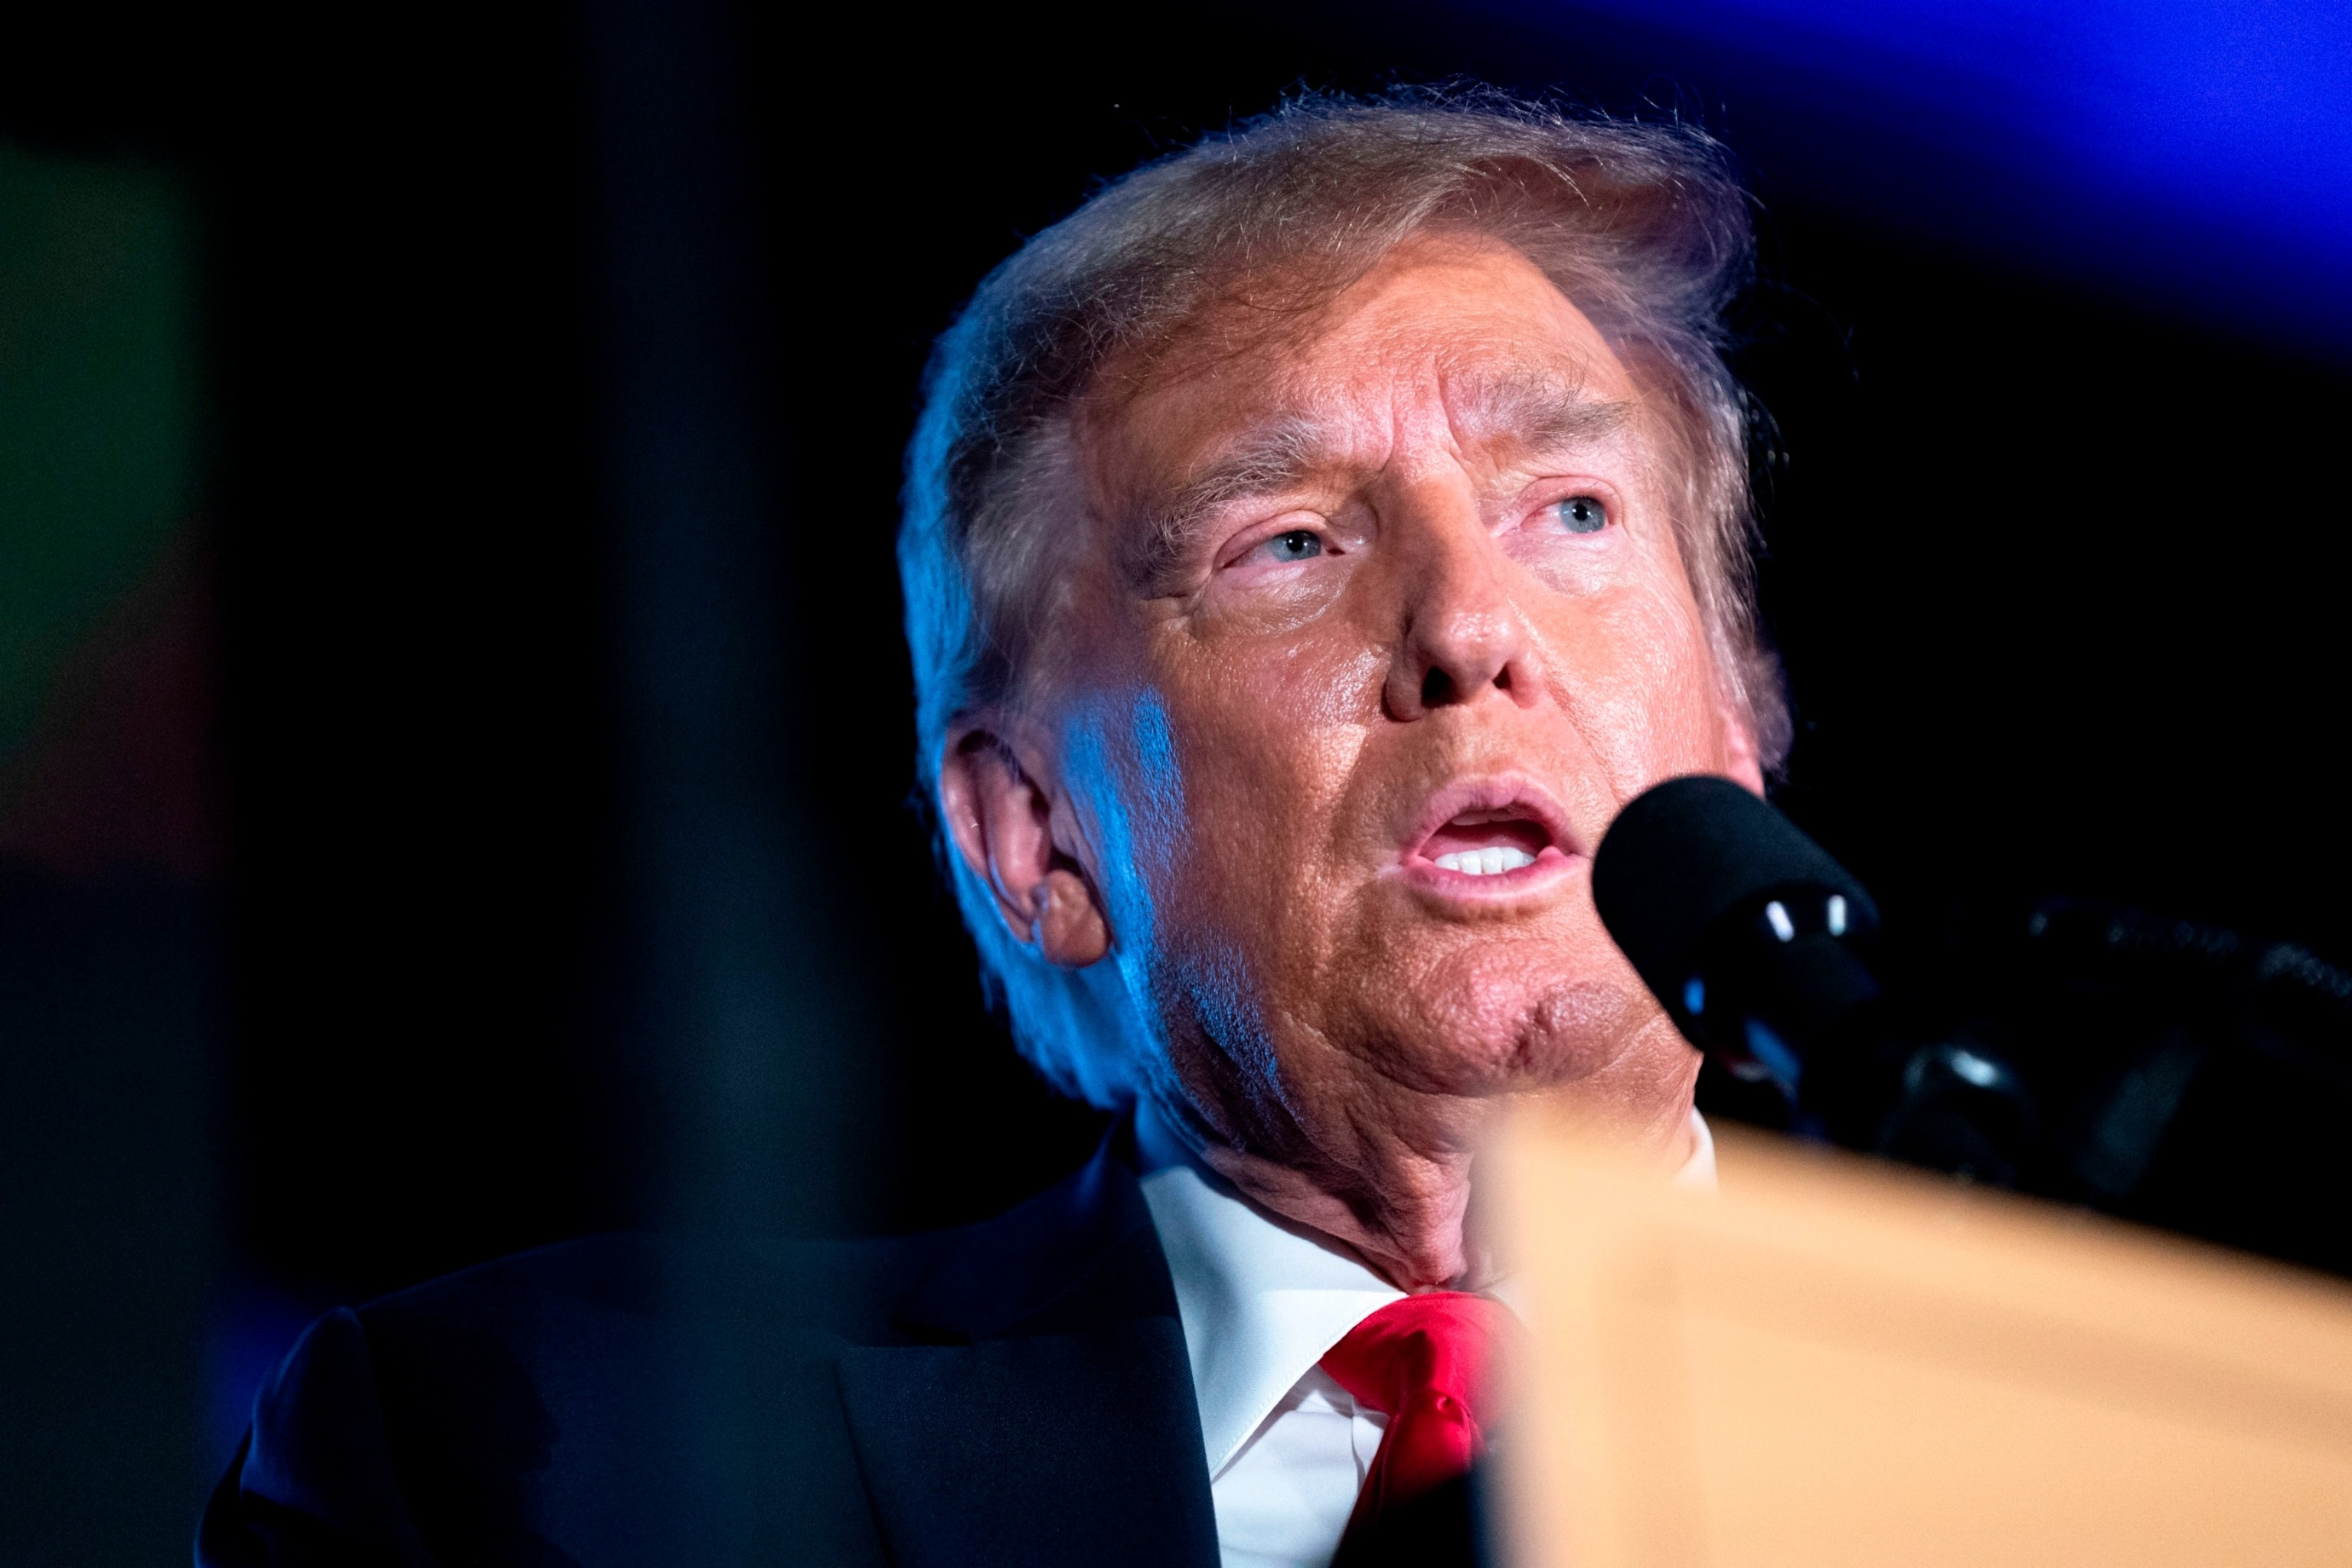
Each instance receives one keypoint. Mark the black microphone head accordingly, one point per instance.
(1687, 856)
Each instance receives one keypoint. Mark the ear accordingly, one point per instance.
(1743, 762)
(1002, 821)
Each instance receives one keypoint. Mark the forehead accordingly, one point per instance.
(1450, 340)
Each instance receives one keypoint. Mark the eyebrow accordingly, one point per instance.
(1529, 410)
(1534, 410)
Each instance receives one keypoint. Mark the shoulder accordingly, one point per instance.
(588, 1298)
(523, 1409)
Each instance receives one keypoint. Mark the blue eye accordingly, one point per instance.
(1298, 544)
(1582, 514)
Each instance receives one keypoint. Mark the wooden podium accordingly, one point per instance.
(1831, 1362)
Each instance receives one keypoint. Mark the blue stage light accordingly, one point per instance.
(2198, 153)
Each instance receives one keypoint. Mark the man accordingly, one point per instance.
(1309, 545)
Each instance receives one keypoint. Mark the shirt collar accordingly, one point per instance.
(1261, 1299)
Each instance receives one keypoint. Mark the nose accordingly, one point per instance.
(1461, 634)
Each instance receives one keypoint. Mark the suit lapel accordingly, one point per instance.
(1045, 1448)
(1062, 1428)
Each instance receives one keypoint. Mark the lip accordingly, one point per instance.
(1494, 793)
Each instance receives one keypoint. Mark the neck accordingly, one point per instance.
(1389, 1173)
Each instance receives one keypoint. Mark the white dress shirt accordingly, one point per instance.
(1261, 1299)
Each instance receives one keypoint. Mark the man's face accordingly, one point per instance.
(1381, 625)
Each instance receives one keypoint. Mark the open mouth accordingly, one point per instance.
(1490, 829)
(1487, 843)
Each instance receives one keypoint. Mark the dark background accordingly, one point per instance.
(2056, 569)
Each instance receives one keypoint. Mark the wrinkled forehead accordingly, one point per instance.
(1445, 345)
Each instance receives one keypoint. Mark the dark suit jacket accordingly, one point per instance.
(1012, 1392)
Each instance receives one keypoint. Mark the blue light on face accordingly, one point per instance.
(1119, 761)
(1094, 764)
(2195, 152)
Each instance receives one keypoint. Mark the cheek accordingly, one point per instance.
(1635, 675)
(1270, 734)
(1270, 730)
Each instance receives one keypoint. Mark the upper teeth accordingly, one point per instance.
(1487, 862)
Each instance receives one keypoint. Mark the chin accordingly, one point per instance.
(1503, 1017)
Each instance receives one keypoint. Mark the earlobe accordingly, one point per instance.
(1001, 821)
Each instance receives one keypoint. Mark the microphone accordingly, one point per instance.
(1758, 944)
(2282, 987)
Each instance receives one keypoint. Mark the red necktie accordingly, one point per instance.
(1422, 1362)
